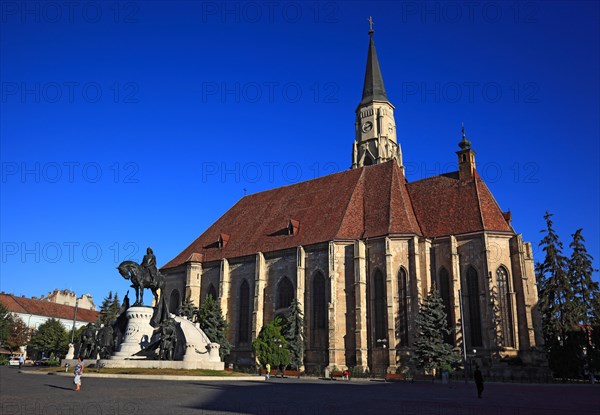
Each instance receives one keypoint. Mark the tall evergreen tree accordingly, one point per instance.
(555, 294)
(430, 349)
(585, 289)
(109, 309)
(270, 346)
(585, 295)
(214, 325)
(293, 332)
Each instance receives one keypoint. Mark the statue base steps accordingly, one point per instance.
(159, 364)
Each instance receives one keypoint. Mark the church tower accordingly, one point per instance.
(375, 126)
(466, 159)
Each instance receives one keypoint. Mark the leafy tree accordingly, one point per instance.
(430, 349)
(270, 346)
(293, 332)
(6, 322)
(214, 325)
(51, 337)
(189, 310)
(109, 309)
(19, 334)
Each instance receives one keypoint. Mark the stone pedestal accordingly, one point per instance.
(137, 334)
(71, 352)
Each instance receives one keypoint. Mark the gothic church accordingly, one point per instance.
(361, 263)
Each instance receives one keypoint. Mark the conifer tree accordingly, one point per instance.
(430, 349)
(293, 331)
(585, 289)
(270, 346)
(555, 293)
(585, 294)
(214, 325)
(109, 309)
(188, 310)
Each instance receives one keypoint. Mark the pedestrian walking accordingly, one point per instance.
(268, 375)
(21, 361)
(78, 372)
(478, 381)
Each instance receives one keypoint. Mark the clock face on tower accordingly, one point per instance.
(366, 127)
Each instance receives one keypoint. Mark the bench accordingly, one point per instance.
(341, 375)
(394, 377)
(276, 372)
(293, 373)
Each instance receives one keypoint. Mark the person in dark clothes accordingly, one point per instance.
(478, 381)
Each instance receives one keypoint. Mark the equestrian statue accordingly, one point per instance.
(144, 275)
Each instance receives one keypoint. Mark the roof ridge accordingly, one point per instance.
(493, 199)
(14, 297)
(391, 199)
(479, 202)
(412, 208)
(447, 174)
(343, 217)
(297, 183)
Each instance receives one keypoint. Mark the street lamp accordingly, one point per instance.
(74, 320)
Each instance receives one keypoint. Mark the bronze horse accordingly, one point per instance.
(140, 279)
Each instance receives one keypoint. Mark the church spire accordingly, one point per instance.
(375, 126)
(373, 88)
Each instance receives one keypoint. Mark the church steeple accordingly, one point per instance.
(375, 140)
(373, 88)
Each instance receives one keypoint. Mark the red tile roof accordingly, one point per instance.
(46, 308)
(360, 203)
(444, 205)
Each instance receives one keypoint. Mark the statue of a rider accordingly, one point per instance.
(149, 264)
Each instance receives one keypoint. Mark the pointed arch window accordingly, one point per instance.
(403, 307)
(174, 301)
(379, 305)
(212, 291)
(285, 293)
(506, 322)
(445, 294)
(319, 311)
(474, 308)
(244, 313)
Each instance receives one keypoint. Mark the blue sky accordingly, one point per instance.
(133, 124)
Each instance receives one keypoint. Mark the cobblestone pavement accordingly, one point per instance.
(28, 394)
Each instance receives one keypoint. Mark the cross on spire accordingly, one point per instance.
(370, 20)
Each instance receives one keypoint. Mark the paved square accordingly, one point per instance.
(28, 394)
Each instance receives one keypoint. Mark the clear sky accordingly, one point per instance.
(133, 124)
